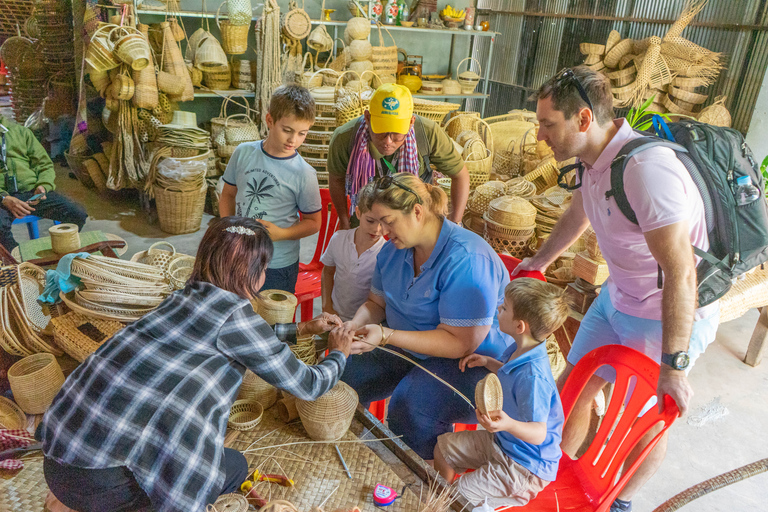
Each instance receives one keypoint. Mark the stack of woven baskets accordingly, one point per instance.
(179, 188)
(27, 75)
(360, 50)
(473, 138)
(478, 203)
(229, 131)
(514, 138)
(315, 147)
(510, 225)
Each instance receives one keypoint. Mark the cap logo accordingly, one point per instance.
(390, 103)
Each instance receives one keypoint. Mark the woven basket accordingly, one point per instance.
(716, 114)
(358, 28)
(35, 381)
(209, 53)
(238, 131)
(461, 121)
(93, 169)
(687, 96)
(361, 49)
(244, 415)
(296, 23)
(276, 306)
(217, 77)
(483, 195)
(256, 389)
(80, 336)
(545, 175)
(488, 393)
(124, 87)
(384, 58)
(512, 212)
(747, 293)
(169, 83)
(504, 240)
(434, 110)
(468, 79)
(159, 258)
(592, 49)
(620, 49)
(179, 270)
(11, 415)
(242, 77)
(99, 54)
(131, 47)
(180, 212)
(328, 418)
(234, 37)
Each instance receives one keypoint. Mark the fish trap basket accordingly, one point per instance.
(245, 415)
(514, 242)
(179, 270)
(80, 336)
(328, 418)
(256, 389)
(35, 381)
(488, 394)
(434, 110)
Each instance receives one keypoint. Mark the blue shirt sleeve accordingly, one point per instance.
(533, 396)
(469, 291)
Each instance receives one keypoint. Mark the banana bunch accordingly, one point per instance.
(450, 12)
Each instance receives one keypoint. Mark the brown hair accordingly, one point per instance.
(566, 98)
(541, 305)
(365, 197)
(396, 198)
(292, 100)
(233, 261)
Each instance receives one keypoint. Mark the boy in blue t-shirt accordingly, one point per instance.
(269, 181)
(517, 454)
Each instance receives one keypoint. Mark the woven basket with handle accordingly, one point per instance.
(384, 58)
(234, 36)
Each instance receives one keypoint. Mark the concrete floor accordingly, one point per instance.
(726, 428)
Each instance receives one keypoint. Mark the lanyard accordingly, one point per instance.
(3, 153)
(390, 168)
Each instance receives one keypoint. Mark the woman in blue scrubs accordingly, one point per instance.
(434, 297)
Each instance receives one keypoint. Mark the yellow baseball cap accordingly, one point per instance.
(391, 109)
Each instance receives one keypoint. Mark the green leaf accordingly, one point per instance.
(647, 103)
(644, 126)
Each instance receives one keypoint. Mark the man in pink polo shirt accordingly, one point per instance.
(576, 119)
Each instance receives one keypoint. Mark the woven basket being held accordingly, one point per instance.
(256, 389)
(489, 396)
(328, 418)
(80, 336)
(35, 381)
(276, 306)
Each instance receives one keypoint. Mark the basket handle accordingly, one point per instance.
(470, 64)
(304, 62)
(218, 11)
(319, 71)
(525, 137)
(226, 119)
(379, 25)
(489, 135)
(162, 242)
(223, 109)
(370, 72)
(341, 75)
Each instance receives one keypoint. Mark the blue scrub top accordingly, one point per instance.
(461, 284)
(530, 395)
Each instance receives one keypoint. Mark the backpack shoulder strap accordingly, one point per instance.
(424, 150)
(629, 150)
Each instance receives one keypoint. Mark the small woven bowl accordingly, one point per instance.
(244, 415)
(11, 415)
(488, 394)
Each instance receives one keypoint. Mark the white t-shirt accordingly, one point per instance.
(273, 189)
(353, 274)
(661, 193)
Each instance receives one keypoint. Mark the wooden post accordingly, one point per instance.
(759, 336)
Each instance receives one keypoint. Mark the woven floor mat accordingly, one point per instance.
(26, 489)
(316, 468)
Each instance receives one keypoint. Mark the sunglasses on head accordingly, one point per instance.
(567, 77)
(385, 182)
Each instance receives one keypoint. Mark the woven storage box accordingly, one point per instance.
(244, 415)
(488, 394)
(180, 212)
(11, 415)
(328, 418)
(256, 389)
(591, 271)
(80, 336)
(35, 381)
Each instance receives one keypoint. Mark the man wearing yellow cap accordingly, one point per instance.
(388, 139)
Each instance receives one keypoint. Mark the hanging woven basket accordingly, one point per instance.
(234, 37)
(296, 24)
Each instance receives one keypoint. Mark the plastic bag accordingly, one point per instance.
(176, 170)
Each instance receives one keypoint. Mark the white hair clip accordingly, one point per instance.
(240, 230)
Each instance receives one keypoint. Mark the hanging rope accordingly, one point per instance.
(268, 61)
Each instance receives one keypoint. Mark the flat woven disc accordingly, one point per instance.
(488, 394)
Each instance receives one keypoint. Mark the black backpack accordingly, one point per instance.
(715, 157)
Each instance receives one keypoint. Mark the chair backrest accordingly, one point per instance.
(511, 263)
(328, 224)
(620, 429)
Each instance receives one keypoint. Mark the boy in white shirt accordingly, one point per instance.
(349, 260)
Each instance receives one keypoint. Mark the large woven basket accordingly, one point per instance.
(434, 110)
(180, 212)
(461, 121)
(245, 415)
(328, 418)
(488, 394)
(256, 389)
(35, 381)
(234, 36)
(80, 336)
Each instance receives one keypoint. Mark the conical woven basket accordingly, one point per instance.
(488, 394)
(256, 389)
(328, 418)
(35, 381)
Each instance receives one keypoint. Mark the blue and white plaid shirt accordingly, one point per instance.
(156, 396)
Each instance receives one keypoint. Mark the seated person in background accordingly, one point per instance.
(27, 171)
(269, 181)
(350, 260)
(517, 454)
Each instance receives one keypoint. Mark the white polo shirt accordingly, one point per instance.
(353, 274)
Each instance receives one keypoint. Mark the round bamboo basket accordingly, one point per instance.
(11, 415)
(689, 84)
(592, 59)
(716, 114)
(234, 37)
(256, 389)
(179, 211)
(245, 415)
(512, 212)
(35, 381)
(296, 24)
(123, 87)
(510, 241)
(673, 108)
(131, 48)
(361, 49)
(468, 79)
(64, 238)
(179, 271)
(483, 195)
(276, 306)
(328, 418)
(488, 394)
(358, 28)
(217, 77)
(519, 187)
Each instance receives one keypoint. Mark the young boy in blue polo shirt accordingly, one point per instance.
(517, 454)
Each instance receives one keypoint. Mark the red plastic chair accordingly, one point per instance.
(587, 484)
(308, 282)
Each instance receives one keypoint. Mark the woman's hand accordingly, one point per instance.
(494, 421)
(320, 324)
(472, 361)
(368, 337)
(341, 339)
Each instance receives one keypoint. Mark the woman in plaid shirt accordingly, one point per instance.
(142, 421)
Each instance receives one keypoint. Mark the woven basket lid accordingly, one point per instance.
(488, 394)
(510, 205)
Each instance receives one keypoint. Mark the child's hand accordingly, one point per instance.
(472, 361)
(276, 233)
(494, 421)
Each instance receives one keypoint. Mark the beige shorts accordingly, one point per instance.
(496, 477)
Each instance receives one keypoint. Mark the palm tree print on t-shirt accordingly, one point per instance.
(256, 192)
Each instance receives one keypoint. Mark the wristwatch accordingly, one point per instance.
(678, 360)
(3, 195)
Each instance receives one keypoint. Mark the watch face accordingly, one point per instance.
(681, 361)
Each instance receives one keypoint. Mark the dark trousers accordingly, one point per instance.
(282, 278)
(421, 407)
(115, 489)
(54, 207)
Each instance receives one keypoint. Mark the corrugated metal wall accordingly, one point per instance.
(539, 37)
